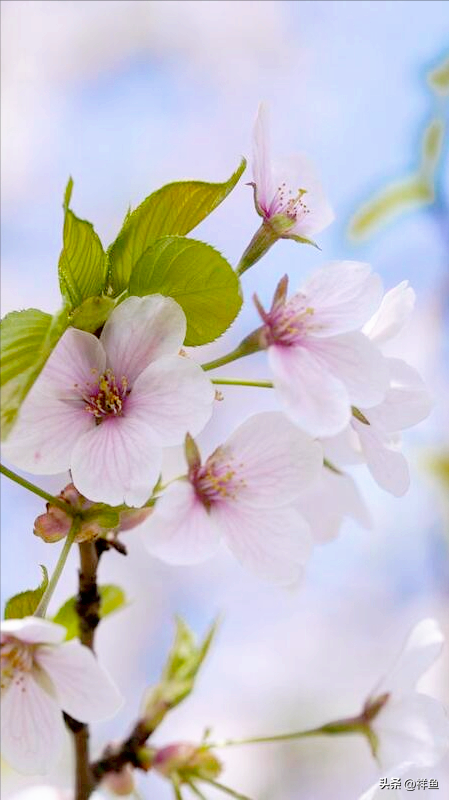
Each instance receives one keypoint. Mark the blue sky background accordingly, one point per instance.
(126, 96)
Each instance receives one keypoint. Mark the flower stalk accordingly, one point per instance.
(41, 610)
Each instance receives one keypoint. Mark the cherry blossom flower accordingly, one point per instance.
(243, 493)
(288, 195)
(331, 498)
(42, 676)
(373, 435)
(410, 728)
(322, 363)
(106, 407)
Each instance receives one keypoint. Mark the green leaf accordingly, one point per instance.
(178, 677)
(439, 78)
(82, 264)
(92, 313)
(197, 277)
(432, 146)
(27, 339)
(392, 202)
(112, 598)
(25, 603)
(176, 208)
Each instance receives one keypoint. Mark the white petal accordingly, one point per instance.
(421, 649)
(173, 396)
(407, 401)
(386, 464)
(394, 311)
(328, 501)
(261, 159)
(342, 295)
(344, 448)
(274, 543)
(313, 398)
(31, 725)
(412, 730)
(52, 417)
(83, 688)
(117, 462)
(72, 364)
(180, 530)
(34, 630)
(376, 792)
(298, 172)
(141, 330)
(274, 458)
(357, 363)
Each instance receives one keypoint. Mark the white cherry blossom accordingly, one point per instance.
(410, 728)
(244, 493)
(42, 676)
(105, 408)
(288, 194)
(322, 363)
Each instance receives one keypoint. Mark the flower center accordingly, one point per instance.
(288, 323)
(217, 479)
(16, 658)
(289, 204)
(106, 396)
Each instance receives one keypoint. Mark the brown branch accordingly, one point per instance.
(129, 752)
(88, 610)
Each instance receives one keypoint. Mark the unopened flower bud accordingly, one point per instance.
(120, 783)
(187, 762)
(55, 524)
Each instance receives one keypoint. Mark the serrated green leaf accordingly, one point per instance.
(82, 264)
(27, 339)
(112, 599)
(25, 603)
(176, 208)
(197, 277)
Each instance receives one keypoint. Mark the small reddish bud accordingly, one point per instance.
(186, 762)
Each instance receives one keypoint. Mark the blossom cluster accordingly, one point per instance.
(110, 399)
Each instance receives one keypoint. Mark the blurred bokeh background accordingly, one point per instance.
(126, 96)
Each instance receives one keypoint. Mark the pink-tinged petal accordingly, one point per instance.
(344, 448)
(83, 688)
(393, 313)
(357, 363)
(173, 397)
(343, 294)
(298, 173)
(141, 330)
(273, 458)
(117, 462)
(312, 397)
(31, 726)
(181, 530)
(329, 500)
(46, 431)
(386, 464)
(274, 543)
(33, 630)
(411, 730)
(407, 401)
(261, 160)
(73, 364)
(421, 649)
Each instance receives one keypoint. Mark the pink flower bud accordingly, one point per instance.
(120, 783)
(187, 761)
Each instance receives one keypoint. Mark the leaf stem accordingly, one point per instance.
(232, 382)
(41, 610)
(227, 790)
(54, 501)
(251, 344)
(343, 726)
